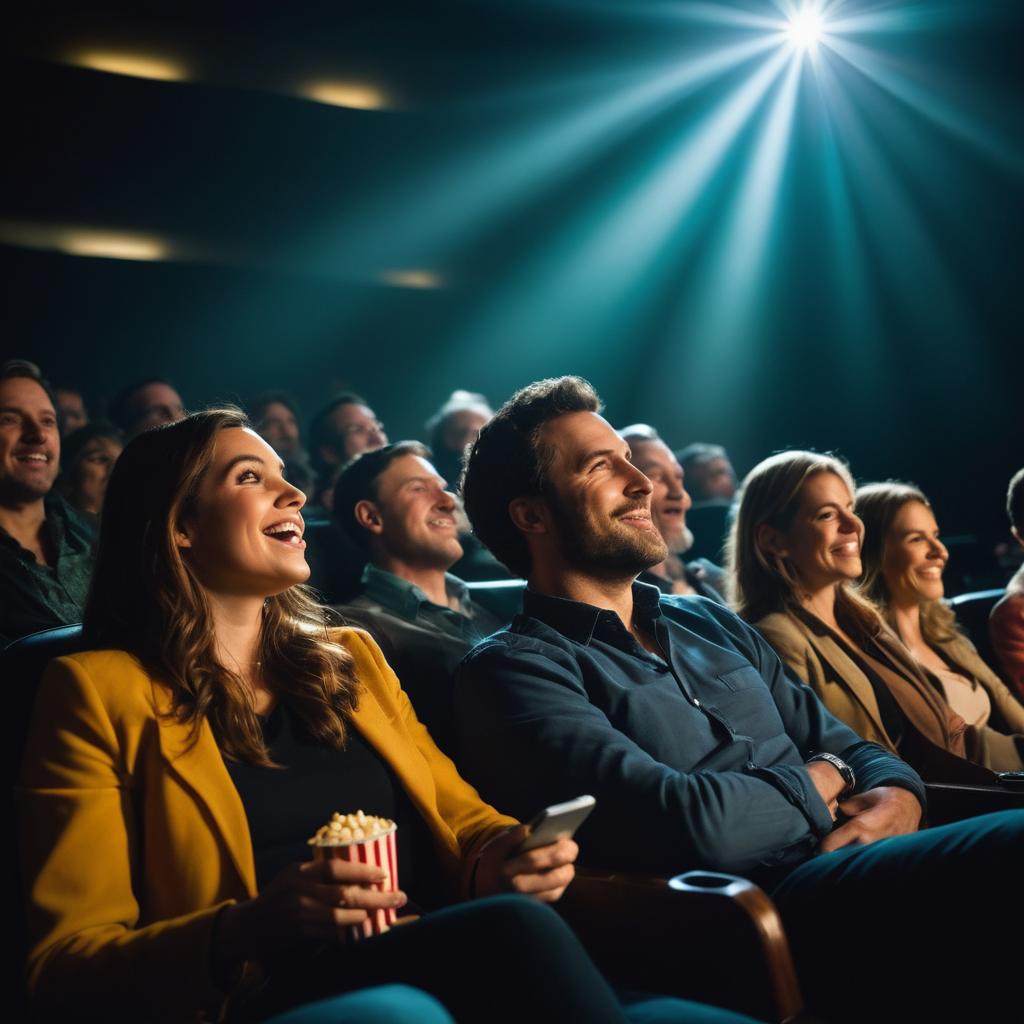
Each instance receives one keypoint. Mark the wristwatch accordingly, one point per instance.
(840, 766)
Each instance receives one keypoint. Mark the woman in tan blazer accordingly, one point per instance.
(904, 559)
(158, 800)
(795, 552)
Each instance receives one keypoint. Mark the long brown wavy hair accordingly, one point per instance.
(878, 505)
(146, 599)
(760, 583)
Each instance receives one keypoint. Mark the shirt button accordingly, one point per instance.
(696, 703)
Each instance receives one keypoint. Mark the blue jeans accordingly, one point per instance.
(501, 959)
(922, 927)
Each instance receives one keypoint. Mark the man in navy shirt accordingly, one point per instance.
(700, 749)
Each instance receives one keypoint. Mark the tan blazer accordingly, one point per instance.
(998, 750)
(820, 661)
(133, 836)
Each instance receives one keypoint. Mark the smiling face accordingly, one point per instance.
(280, 428)
(91, 472)
(823, 542)
(914, 558)
(244, 536)
(72, 409)
(600, 503)
(29, 441)
(669, 499)
(153, 404)
(357, 430)
(413, 518)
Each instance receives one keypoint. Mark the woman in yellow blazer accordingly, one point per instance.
(144, 813)
(795, 551)
(904, 560)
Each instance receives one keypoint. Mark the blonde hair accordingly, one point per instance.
(146, 599)
(760, 583)
(878, 505)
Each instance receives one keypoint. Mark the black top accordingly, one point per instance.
(286, 805)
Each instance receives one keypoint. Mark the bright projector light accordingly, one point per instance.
(805, 28)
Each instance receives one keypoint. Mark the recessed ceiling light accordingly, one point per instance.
(413, 278)
(356, 95)
(137, 65)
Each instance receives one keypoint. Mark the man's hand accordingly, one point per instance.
(542, 873)
(876, 814)
(828, 782)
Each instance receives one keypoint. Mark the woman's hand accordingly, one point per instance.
(542, 873)
(314, 900)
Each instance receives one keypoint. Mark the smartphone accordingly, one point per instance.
(559, 821)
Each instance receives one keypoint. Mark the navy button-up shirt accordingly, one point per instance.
(696, 756)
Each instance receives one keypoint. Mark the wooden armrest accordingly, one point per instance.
(701, 935)
(954, 801)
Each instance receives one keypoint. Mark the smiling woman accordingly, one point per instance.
(175, 774)
(794, 553)
(904, 559)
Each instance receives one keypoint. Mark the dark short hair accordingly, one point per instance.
(72, 445)
(698, 453)
(257, 407)
(358, 482)
(119, 409)
(15, 368)
(321, 429)
(639, 432)
(1015, 501)
(507, 461)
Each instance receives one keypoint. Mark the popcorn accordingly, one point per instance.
(365, 839)
(343, 829)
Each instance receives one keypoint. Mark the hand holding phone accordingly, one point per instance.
(559, 821)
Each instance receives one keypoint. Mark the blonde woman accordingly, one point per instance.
(904, 559)
(795, 553)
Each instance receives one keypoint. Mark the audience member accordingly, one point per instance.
(795, 552)
(701, 751)
(903, 560)
(211, 672)
(88, 456)
(669, 504)
(275, 418)
(146, 404)
(341, 430)
(453, 428)
(394, 505)
(70, 409)
(45, 547)
(709, 473)
(1006, 626)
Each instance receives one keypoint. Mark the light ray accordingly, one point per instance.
(611, 257)
(730, 288)
(924, 101)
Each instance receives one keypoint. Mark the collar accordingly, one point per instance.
(56, 516)
(404, 598)
(578, 620)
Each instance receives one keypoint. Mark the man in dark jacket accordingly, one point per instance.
(700, 749)
(45, 546)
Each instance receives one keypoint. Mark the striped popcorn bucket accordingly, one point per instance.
(381, 852)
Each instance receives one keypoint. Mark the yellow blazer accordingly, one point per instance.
(133, 837)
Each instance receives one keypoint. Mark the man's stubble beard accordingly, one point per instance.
(620, 554)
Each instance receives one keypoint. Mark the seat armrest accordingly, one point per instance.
(710, 937)
(954, 801)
